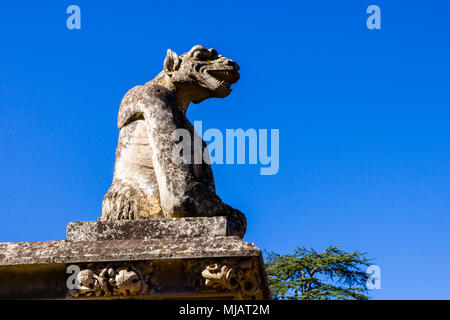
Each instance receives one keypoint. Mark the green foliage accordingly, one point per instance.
(309, 275)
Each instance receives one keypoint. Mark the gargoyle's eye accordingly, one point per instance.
(213, 52)
(201, 54)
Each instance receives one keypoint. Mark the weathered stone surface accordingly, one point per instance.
(200, 263)
(33, 281)
(147, 229)
(148, 182)
(197, 278)
(173, 268)
(239, 278)
(46, 252)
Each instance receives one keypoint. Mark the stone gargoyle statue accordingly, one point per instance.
(147, 182)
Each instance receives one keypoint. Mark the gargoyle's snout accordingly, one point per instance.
(233, 64)
(225, 71)
(235, 71)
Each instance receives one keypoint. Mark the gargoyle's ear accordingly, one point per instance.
(172, 62)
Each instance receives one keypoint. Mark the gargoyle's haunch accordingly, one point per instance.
(147, 183)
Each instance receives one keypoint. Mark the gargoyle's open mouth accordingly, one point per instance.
(225, 76)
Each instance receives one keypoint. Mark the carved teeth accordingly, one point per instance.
(224, 76)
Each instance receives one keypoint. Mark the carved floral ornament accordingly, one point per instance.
(228, 275)
(235, 276)
(115, 279)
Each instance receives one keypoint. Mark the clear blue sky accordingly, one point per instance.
(363, 118)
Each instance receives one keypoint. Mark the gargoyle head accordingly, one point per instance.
(200, 74)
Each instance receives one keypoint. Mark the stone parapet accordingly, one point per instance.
(160, 259)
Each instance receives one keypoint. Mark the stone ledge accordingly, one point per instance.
(50, 252)
(147, 229)
(195, 258)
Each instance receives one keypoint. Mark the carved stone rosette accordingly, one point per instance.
(114, 279)
(232, 275)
